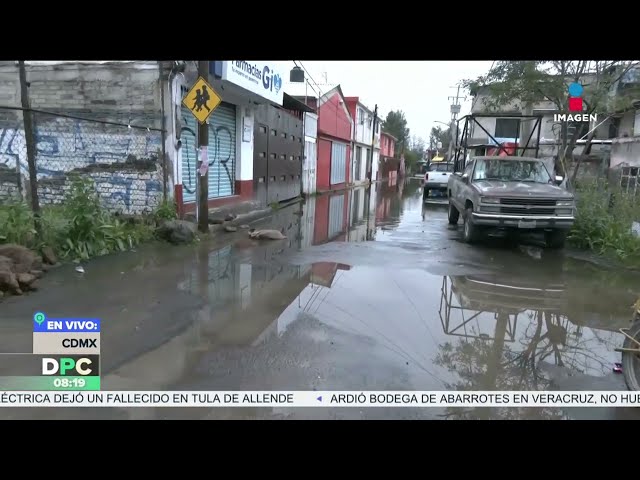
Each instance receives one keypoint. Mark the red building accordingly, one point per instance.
(387, 145)
(335, 126)
(389, 165)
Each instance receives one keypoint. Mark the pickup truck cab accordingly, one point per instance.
(437, 177)
(510, 193)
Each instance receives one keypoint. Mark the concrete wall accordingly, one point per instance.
(124, 163)
(625, 152)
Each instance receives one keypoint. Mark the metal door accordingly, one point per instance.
(338, 162)
(282, 151)
(260, 163)
(309, 167)
(358, 163)
(222, 151)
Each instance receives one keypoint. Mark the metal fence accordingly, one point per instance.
(121, 158)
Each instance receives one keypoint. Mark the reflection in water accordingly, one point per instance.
(512, 334)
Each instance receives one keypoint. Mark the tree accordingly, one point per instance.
(438, 134)
(396, 124)
(523, 83)
(414, 153)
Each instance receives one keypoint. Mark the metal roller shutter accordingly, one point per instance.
(338, 162)
(221, 152)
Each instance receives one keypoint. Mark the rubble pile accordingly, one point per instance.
(20, 268)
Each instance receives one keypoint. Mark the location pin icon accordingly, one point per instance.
(39, 318)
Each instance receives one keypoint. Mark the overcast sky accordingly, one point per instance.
(419, 88)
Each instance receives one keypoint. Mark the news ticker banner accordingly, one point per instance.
(311, 399)
(65, 356)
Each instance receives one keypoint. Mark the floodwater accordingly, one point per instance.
(372, 290)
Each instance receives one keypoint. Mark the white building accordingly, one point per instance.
(363, 139)
(241, 85)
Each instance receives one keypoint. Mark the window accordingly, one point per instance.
(274, 133)
(468, 170)
(507, 128)
(360, 116)
(583, 129)
(614, 128)
(441, 167)
(636, 124)
(511, 170)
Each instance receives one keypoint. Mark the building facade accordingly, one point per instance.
(335, 127)
(389, 165)
(366, 139)
(243, 88)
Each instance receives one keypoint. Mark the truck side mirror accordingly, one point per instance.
(465, 178)
(559, 179)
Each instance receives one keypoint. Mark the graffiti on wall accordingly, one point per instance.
(97, 151)
(219, 154)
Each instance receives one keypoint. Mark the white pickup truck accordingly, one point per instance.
(437, 177)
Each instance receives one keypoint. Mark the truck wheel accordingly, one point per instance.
(556, 239)
(470, 233)
(454, 214)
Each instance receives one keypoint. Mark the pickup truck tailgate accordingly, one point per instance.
(437, 178)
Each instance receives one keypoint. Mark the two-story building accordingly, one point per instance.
(389, 164)
(365, 141)
(512, 132)
(335, 126)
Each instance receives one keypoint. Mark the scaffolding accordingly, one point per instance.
(469, 121)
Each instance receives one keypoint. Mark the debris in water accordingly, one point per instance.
(79, 269)
(617, 368)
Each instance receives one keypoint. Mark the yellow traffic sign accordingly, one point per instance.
(201, 100)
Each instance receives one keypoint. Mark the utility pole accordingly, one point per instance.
(455, 110)
(203, 180)
(27, 116)
(373, 143)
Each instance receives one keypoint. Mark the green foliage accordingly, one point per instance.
(438, 134)
(604, 226)
(522, 82)
(166, 211)
(396, 124)
(78, 229)
(18, 226)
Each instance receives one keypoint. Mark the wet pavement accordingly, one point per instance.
(372, 290)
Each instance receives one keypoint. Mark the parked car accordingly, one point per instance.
(437, 178)
(510, 193)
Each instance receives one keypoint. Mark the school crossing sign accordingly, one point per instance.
(201, 100)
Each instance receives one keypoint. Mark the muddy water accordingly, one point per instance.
(370, 291)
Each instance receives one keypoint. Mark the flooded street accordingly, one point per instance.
(371, 290)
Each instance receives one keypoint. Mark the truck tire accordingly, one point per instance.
(454, 214)
(470, 232)
(555, 239)
(631, 361)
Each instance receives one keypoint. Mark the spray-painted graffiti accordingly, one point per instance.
(95, 150)
(221, 154)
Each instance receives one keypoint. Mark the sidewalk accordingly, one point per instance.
(241, 213)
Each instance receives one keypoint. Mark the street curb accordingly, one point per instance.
(251, 217)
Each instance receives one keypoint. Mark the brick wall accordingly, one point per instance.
(123, 162)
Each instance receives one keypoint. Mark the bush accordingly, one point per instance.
(603, 223)
(18, 226)
(80, 228)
